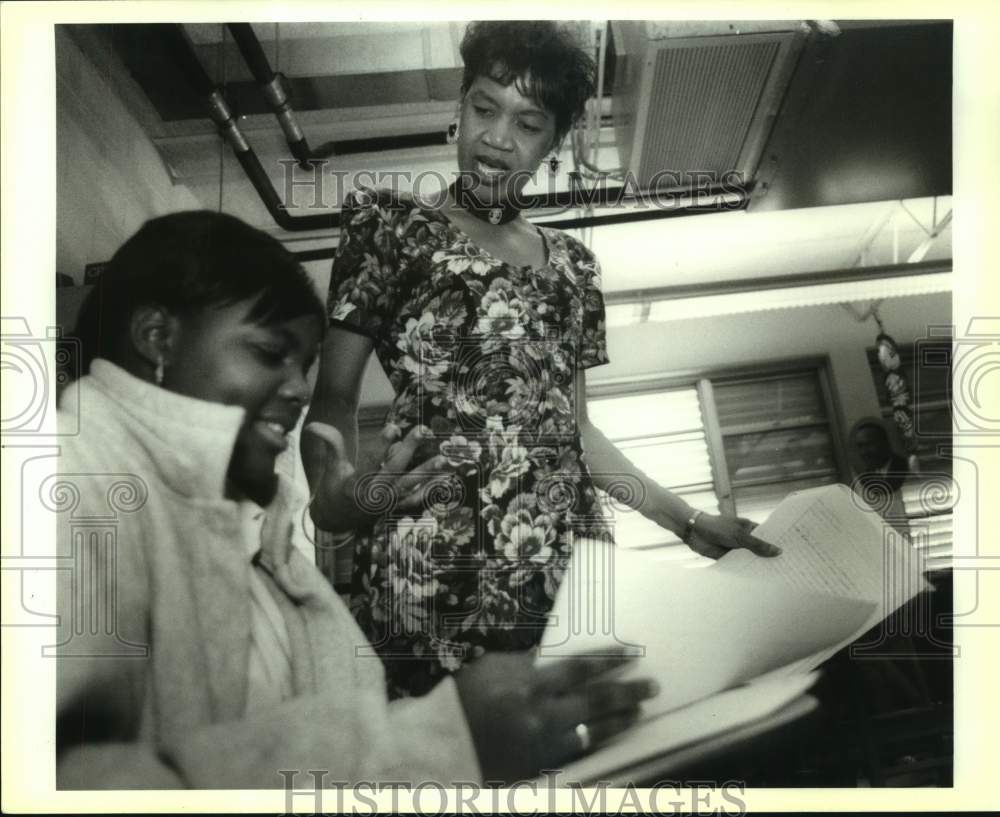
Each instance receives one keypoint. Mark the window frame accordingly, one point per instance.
(706, 378)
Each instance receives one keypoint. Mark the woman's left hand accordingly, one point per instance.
(714, 536)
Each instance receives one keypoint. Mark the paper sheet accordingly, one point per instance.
(842, 570)
(833, 544)
(699, 631)
(700, 721)
(752, 626)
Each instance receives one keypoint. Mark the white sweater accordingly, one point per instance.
(152, 677)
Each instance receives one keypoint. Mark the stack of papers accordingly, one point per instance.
(753, 626)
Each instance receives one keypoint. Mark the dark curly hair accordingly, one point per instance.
(188, 261)
(540, 57)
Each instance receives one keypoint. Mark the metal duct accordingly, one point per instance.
(690, 106)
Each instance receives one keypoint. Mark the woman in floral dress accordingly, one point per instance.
(484, 325)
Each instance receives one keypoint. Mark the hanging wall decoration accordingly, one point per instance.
(896, 385)
(898, 390)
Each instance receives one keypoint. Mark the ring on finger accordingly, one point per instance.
(582, 732)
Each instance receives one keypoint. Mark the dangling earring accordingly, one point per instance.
(158, 374)
(451, 136)
(553, 163)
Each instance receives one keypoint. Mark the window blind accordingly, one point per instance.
(663, 434)
(776, 437)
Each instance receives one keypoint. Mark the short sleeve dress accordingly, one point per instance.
(486, 355)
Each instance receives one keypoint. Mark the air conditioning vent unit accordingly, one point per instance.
(696, 101)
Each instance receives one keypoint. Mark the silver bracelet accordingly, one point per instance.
(689, 527)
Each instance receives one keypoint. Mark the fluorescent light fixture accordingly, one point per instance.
(627, 314)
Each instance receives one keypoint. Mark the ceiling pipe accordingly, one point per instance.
(187, 61)
(635, 213)
(577, 196)
(720, 200)
(273, 87)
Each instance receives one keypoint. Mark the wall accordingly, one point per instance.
(110, 178)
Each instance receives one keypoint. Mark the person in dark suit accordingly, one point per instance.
(880, 472)
(896, 682)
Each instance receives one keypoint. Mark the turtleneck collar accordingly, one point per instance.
(190, 441)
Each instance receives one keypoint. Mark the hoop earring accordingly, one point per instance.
(158, 374)
(451, 135)
(553, 163)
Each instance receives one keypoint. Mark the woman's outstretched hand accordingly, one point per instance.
(715, 536)
(525, 718)
(355, 500)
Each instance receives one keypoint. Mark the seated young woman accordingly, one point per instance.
(227, 657)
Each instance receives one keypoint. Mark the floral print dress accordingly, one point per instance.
(485, 354)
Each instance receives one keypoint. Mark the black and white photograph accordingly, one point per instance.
(472, 412)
